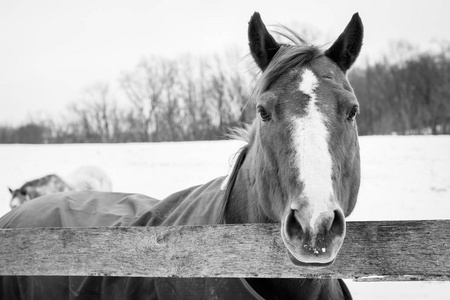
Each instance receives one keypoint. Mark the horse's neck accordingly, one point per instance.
(46, 185)
(244, 203)
(257, 195)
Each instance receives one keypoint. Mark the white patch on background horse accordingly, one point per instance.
(89, 178)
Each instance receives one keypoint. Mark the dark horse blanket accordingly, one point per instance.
(198, 205)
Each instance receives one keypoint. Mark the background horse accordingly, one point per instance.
(300, 168)
(86, 178)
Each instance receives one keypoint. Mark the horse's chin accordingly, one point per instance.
(309, 264)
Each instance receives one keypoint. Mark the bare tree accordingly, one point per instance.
(143, 88)
(170, 111)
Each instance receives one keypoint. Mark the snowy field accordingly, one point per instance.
(403, 178)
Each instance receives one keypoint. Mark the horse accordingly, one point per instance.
(300, 168)
(85, 178)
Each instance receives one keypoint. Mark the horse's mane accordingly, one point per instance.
(290, 55)
(245, 133)
(40, 181)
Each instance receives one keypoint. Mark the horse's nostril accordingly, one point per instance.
(338, 225)
(293, 226)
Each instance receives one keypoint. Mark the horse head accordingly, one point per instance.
(18, 197)
(307, 167)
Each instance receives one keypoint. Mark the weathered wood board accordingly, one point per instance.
(400, 250)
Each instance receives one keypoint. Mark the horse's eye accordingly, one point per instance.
(265, 116)
(351, 116)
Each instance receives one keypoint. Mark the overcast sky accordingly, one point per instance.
(51, 50)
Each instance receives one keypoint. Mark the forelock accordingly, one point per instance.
(288, 57)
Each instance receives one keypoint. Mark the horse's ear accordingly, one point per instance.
(263, 46)
(346, 48)
(11, 190)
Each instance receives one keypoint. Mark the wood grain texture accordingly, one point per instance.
(401, 250)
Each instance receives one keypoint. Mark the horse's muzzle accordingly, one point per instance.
(316, 243)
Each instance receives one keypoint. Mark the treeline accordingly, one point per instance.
(410, 96)
(202, 98)
(167, 100)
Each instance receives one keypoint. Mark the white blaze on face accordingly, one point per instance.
(313, 156)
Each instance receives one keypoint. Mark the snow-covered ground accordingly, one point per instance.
(403, 178)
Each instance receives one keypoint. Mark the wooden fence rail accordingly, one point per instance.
(400, 250)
